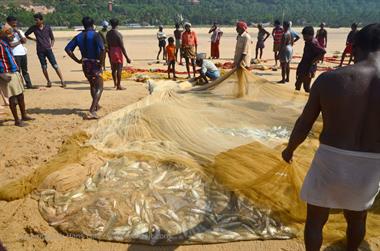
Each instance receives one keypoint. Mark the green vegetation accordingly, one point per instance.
(301, 12)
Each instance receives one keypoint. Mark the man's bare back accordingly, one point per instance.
(350, 104)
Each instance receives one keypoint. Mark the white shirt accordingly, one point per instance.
(243, 47)
(19, 50)
(208, 66)
(161, 35)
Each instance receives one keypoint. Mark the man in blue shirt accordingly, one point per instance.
(92, 50)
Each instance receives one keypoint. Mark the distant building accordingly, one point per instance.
(194, 1)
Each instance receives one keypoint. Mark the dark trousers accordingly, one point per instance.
(305, 81)
(22, 62)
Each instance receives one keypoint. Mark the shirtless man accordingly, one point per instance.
(286, 53)
(349, 42)
(345, 172)
(116, 51)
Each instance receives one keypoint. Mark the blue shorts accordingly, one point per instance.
(213, 74)
(42, 55)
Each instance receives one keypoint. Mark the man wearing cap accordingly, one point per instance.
(103, 36)
(243, 46)
(189, 47)
(10, 80)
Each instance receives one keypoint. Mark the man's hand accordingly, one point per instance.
(129, 60)
(79, 61)
(4, 77)
(287, 155)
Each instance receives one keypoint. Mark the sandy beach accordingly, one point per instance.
(59, 114)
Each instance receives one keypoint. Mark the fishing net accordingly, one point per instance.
(192, 164)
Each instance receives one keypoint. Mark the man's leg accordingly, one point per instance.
(159, 52)
(356, 228)
(96, 93)
(193, 64)
(187, 60)
(114, 74)
(283, 72)
(119, 70)
(315, 221)
(21, 103)
(275, 58)
(306, 84)
(349, 61)
(25, 73)
(342, 59)
(299, 83)
(261, 53)
(13, 107)
(173, 67)
(53, 62)
(257, 52)
(287, 71)
(42, 58)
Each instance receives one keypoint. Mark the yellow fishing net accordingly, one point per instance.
(189, 165)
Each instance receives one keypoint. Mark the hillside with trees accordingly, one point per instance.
(69, 12)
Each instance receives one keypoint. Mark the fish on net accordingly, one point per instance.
(194, 165)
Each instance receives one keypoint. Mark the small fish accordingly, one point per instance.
(160, 178)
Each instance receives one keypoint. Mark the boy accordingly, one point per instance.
(178, 43)
(349, 42)
(171, 57)
(277, 33)
(312, 53)
(208, 70)
(262, 36)
(45, 42)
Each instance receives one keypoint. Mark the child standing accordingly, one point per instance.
(171, 57)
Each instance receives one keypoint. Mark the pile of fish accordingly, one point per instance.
(157, 203)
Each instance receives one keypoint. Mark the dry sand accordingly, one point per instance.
(58, 114)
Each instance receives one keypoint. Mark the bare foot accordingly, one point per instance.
(48, 85)
(91, 116)
(20, 123)
(63, 84)
(119, 88)
(281, 82)
(27, 118)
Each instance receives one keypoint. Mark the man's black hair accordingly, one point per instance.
(114, 22)
(308, 30)
(286, 24)
(171, 40)
(39, 16)
(277, 22)
(177, 25)
(368, 38)
(87, 22)
(11, 19)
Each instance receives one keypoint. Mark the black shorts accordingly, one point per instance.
(162, 43)
(42, 55)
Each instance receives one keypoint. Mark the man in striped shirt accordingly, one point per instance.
(277, 33)
(10, 80)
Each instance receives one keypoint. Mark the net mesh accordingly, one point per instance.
(190, 165)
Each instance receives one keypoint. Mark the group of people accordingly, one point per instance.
(345, 171)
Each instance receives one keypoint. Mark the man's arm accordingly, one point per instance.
(296, 37)
(28, 32)
(326, 38)
(196, 43)
(70, 47)
(121, 43)
(267, 35)
(305, 122)
(51, 37)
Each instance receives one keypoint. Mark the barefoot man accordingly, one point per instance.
(345, 172)
(116, 51)
(349, 41)
(45, 43)
(189, 48)
(10, 79)
(243, 46)
(92, 50)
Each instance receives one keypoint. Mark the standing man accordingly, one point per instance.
(178, 43)
(345, 172)
(262, 36)
(116, 51)
(10, 79)
(189, 47)
(277, 33)
(92, 49)
(19, 51)
(161, 37)
(215, 41)
(243, 47)
(45, 42)
(103, 36)
(322, 36)
(312, 53)
(286, 53)
(349, 42)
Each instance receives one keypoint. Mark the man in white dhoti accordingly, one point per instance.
(345, 172)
